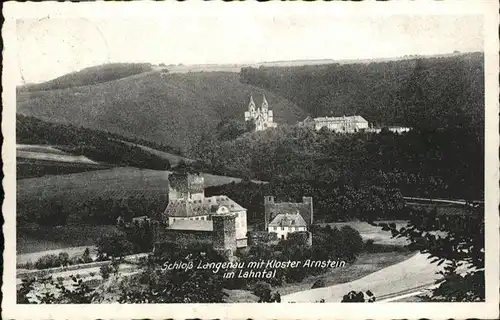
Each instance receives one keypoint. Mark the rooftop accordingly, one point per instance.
(341, 119)
(205, 206)
(195, 225)
(288, 220)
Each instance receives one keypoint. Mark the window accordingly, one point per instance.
(275, 228)
(282, 228)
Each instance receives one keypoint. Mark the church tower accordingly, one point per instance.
(251, 106)
(250, 114)
(265, 105)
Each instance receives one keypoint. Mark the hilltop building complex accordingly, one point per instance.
(338, 124)
(262, 117)
(351, 124)
(192, 217)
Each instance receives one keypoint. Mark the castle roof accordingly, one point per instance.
(205, 206)
(288, 220)
(194, 225)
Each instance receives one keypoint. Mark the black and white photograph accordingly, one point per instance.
(248, 156)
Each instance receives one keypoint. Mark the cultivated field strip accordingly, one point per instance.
(116, 183)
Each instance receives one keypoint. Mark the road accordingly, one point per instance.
(405, 277)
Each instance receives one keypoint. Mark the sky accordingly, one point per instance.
(50, 47)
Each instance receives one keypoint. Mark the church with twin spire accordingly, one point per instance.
(262, 117)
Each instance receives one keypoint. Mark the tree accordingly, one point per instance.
(158, 284)
(231, 129)
(457, 241)
(105, 271)
(250, 125)
(55, 291)
(113, 245)
(354, 296)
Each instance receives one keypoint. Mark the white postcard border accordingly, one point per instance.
(487, 309)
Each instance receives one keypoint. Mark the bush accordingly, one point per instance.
(28, 265)
(320, 283)
(351, 243)
(63, 258)
(354, 296)
(48, 261)
(86, 256)
(105, 271)
(263, 291)
(113, 245)
(369, 245)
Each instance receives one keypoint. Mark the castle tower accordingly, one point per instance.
(224, 232)
(196, 188)
(186, 186)
(309, 202)
(268, 205)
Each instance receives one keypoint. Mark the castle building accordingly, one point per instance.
(217, 219)
(343, 124)
(262, 117)
(283, 218)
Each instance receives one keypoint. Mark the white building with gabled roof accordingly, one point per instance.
(285, 223)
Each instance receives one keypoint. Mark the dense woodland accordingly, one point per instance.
(420, 93)
(331, 202)
(439, 163)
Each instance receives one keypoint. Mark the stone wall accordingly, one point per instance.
(224, 234)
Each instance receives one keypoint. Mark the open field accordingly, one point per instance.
(30, 168)
(113, 183)
(39, 148)
(410, 273)
(41, 156)
(174, 159)
(36, 241)
(368, 231)
(365, 264)
(29, 243)
(40, 160)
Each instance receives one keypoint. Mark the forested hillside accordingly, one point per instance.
(90, 76)
(96, 145)
(421, 93)
(169, 109)
(438, 163)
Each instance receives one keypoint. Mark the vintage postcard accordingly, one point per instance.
(248, 160)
